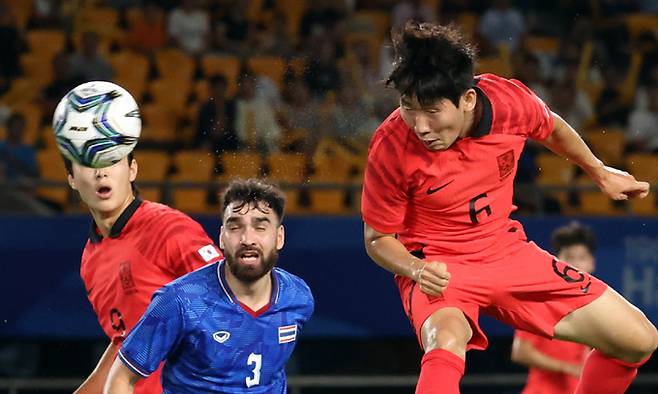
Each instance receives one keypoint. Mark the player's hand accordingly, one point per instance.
(620, 185)
(572, 369)
(432, 277)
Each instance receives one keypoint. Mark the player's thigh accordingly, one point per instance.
(612, 325)
(447, 329)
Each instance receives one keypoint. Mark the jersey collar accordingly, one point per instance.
(484, 126)
(121, 222)
(226, 289)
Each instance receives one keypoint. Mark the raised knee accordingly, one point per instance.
(452, 342)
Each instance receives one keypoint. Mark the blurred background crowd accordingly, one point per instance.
(293, 89)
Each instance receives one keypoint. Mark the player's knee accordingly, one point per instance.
(452, 335)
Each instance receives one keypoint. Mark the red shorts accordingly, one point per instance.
(530, 290)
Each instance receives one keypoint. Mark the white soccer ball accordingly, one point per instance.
(97, 124)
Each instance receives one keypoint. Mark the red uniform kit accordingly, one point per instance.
(547, 382)
(149, 246)
(454, 206)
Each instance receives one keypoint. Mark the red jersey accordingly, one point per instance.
(457, 202)
(547, 382)
(149, 246)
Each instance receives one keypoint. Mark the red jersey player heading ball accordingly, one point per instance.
(134, 248)
(436, 203)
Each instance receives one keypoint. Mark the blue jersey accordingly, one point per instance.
(210, 343)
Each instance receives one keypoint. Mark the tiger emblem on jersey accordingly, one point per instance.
(505, 164)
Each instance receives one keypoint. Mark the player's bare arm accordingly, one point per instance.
(390, 254)
(94, 383)
(525, 353)
(121, 380)
(617, 184)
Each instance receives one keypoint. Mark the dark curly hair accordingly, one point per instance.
(252, 192)
(432, 62)
(573, 234)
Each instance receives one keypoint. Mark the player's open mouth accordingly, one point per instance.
(249, 256)
(104, 192)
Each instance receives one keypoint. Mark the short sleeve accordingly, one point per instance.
(538, 115)
(156, 334)
(188, 247)
(384, 197)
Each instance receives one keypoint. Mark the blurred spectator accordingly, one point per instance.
(300, 110)
(87, 64)
(320, 17)
(502, 24)
(528, 71)
(148, 34)
(255, 122)
(18, 157)
(647, 44)
(189, 27)
(414, 10)
(45, 14)
(574, 106)
(359, 67)
(352, 121)
(642, 125)
(215, 125)
(236, 23)
(611, 110)
(62, 82)
(321, 73)
(10, 47)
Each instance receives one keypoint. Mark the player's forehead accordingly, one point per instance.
(412, 101)
(245, 212)
(576, 249)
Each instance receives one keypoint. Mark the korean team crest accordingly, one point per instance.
(287, 333)
(505, 164)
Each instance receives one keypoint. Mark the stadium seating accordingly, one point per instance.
(607, 143)
(270, 66)
(51, 168)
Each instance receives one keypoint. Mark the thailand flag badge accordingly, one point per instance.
(287, 333)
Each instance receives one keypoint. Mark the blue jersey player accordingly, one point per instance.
(231, 326)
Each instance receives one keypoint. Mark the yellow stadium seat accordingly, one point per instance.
(468, 22)
(159, 124)
(171, 93)
(193, 165)
(241, 165)
(133, 15)
(270, 66)
(38, 67)
(153, 165)
(641, 23)
(228, 66)
(645, 207)
(51, 168)
(379, 20)
(607, 144)
(129, 65)
(193, 200)
(554, 170)
(45, 41)
(293, 11)
(174, 64)
(643, 167)
(541, 44)
(286, 167)
(331, 202)
(22, 91)
(134, 85)
(595, 202)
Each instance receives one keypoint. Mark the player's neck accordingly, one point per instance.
(255, 294)
(105, 219)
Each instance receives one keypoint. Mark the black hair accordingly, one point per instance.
(573, 234)
(251, 192)
(432, 62)
(131, 156)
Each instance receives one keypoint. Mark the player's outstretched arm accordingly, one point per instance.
(390, 254)
(96, 380)
(525, 353)
(121, 380)
(618, 185)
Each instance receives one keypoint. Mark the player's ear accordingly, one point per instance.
(280, 237)
(133, 170)
(468, 100)
(221, 237)
(71, 181)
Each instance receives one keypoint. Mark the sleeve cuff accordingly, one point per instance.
(132, 365)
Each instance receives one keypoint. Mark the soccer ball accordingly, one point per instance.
(97, 124)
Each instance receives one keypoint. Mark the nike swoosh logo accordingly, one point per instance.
(432, 191)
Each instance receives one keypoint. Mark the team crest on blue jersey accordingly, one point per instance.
(287, 333)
